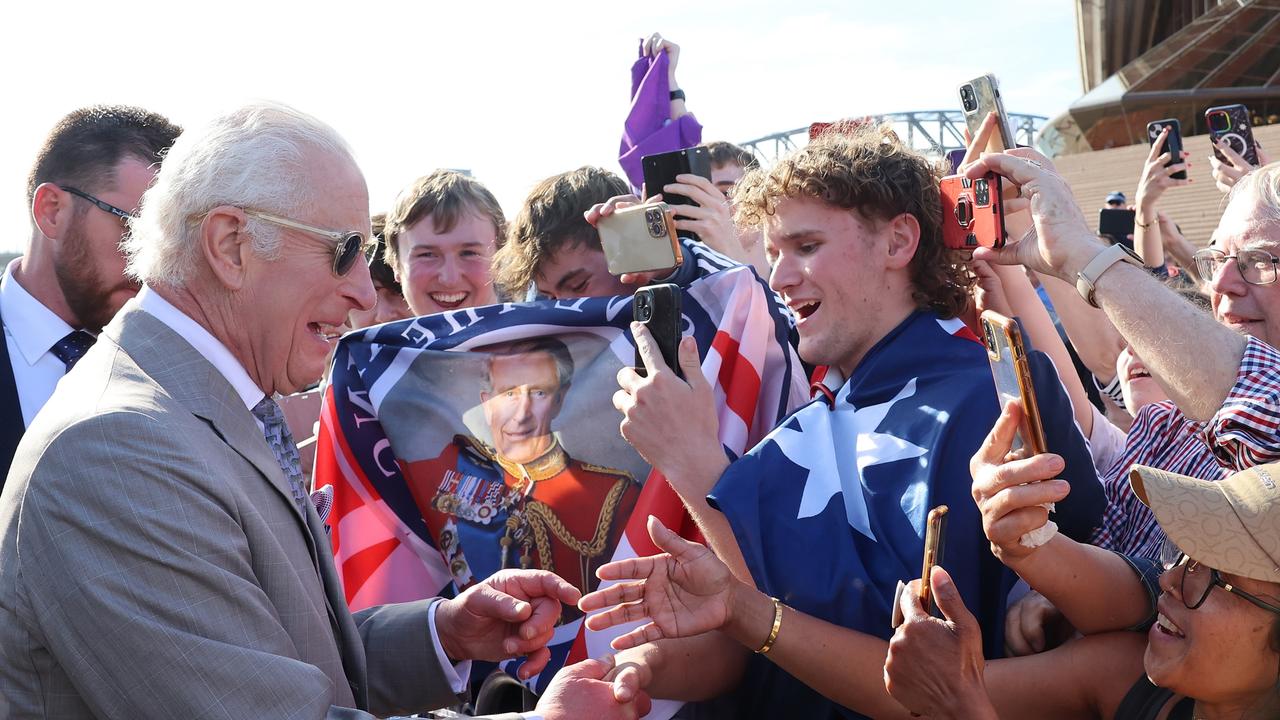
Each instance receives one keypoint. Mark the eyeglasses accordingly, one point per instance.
(349, 245)
(101, 205)
(1199, 580)
(1257, 267)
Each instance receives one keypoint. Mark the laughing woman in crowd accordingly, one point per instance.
(1212, 645)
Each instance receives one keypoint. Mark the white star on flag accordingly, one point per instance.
(832, 470)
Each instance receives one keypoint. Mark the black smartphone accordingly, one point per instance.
(661, 170)
(1172, 144)
(1230, 123)
(657, 307)
(1117, 223)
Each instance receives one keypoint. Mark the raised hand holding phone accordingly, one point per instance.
(935, 666)
(1012, 490)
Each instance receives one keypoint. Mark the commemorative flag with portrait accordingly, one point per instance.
(464, 442)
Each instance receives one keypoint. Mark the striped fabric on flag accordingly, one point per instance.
(385, 396)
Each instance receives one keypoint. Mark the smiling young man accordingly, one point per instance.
(441, 235)
(828, 511)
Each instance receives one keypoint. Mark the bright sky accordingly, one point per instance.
(513, 91)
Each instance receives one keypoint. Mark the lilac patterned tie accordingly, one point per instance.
(73, 347)
(281, 441)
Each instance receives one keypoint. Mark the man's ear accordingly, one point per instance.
(52, 210)
(225, 245)
(904, 238)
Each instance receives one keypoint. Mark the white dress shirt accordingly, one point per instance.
(221, 358)
(30, 332)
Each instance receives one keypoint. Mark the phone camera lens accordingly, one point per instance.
(982, 192)
(1219, 122)
(644, 311)
(964, 211)
(967, 98)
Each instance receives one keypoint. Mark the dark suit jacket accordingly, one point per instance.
(154, 565)
(11, 425)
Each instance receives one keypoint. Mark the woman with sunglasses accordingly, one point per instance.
(1212, 646)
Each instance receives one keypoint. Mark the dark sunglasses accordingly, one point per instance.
(349, 246)
(101, 205)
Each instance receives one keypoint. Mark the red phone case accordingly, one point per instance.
(972, 212)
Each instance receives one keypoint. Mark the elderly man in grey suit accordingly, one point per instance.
(159, 556)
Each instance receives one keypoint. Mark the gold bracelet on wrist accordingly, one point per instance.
(773, 632)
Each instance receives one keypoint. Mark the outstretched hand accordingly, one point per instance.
(584, 690)
(509, 614)
(682, 592)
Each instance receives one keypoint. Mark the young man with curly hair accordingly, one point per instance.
(827, 513)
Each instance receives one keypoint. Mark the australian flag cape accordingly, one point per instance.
(829, 509)
(395, 384)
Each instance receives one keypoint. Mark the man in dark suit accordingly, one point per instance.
(159, 554)
(85, 183)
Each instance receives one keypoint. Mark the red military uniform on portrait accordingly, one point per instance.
(553, 513)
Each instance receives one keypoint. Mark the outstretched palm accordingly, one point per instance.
(682, 592)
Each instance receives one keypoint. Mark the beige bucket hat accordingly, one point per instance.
(1232, 525)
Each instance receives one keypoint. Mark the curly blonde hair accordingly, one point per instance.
(867, 169)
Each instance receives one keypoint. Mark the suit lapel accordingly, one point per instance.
(191, 380)
(11, 425)
(344, 628)
(194, 382)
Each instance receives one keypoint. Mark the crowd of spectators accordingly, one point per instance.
(163, 554)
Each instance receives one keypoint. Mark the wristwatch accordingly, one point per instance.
(677, 94)
(1100, 263)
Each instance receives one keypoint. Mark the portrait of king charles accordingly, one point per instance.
(522, 502)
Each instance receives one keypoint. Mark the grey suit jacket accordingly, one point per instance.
(154, 565)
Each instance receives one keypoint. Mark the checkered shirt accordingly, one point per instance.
(1244, 432)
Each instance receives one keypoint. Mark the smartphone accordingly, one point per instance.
(979, 97)
(1012, 373)
(1231, 123)
(657, 307)
(972, 212)
(640, 238)
(1117, 223)
(934, 537)
(1172, 144)
(661, 170)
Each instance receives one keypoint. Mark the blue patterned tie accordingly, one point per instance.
(73, 347)
(281, 442)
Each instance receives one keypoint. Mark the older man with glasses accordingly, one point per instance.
(83, 187)
(160, 556)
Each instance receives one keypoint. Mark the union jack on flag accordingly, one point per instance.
(412, 439)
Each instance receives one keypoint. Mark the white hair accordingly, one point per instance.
(252, 157)
(1263, 186)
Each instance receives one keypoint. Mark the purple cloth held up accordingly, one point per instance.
(648, 128)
